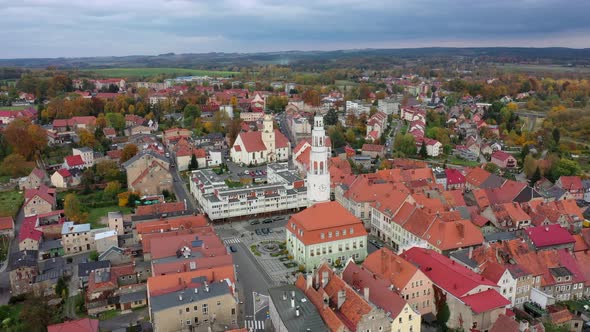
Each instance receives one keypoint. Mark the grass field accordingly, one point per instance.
(10, 202)
(146, 72)
(96, 213)
(542, 68)
(13, 108)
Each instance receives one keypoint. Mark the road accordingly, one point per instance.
(393, 133)
(5, 293)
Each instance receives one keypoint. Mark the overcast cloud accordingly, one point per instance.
(72, 28)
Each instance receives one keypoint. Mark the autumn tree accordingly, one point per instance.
(219, 122)
(107, 170)
(36, 313)
(116, 120)
(73, 209)
(14, 165)
(406, 144)
(565, 167)
(112, 188)
(86, 138)
(25, 138)
(536, 177)
(530, 165)
(129, 151)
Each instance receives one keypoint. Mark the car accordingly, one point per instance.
(246, 172)
(267, 221)
(258, 232)
(264, 231)
(254, 222)
(233, 249)
(269, 230)
(277, 218)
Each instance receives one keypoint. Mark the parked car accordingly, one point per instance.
(233, 249)
(254, 222)
(277, 218)
(267, 221)
(258, 232)
(264, 231)
(246, 172)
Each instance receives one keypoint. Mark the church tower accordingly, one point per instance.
(268, 133)
(318, 175)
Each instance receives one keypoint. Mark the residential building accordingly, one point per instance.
(504, 159)
(34, 180)
(474, 301)
(260, 147)
(379, 292)
(105, 240)
(455, 179)
(219, 201)
(549, 237)
(174, 134)
(388, 106)
(76, 238)
(290, 311)
(501, 275)
(358, 107)
(64, 178)
(87, 155)
(39, 201)
(115, 222)
(376, 126)
(572, 184)
(23, 269)
(78, 325)
(409, 281)
(373, 150)
(507, 216)
(337, 238)
(148, 173)
(7, 226)
(74, 162)
(341, 307)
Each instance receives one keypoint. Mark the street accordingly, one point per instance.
(5, 293)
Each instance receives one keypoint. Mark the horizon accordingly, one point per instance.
(76, 28)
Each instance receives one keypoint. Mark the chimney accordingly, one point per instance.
(284, 296)
(325, 278)
(366, 293)
(292, 302)
(461, 230)
(470, 252)
(341, 298)
(297, 311)
(308, 282)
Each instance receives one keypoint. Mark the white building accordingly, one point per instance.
(318, 174)
(325, 231)
(388, 106)
(357, 107)
(259, 147)
(105, 240)
(285, 191)
(87, 155)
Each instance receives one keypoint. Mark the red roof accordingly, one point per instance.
(38, 173)
(484, 301)
(109, 131)
(64, 173)
(501, 155)
(160, 208)
(73, 161)
(80, 325)
(571, 182)
(28, 231)
(44, 192)
(6, 223)
(253, 141)
(551, 235)
(454, 176)
(373, 147)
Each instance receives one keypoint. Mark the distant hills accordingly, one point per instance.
(554, 55)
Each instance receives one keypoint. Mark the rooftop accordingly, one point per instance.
(70, 228)
(309, 318)
(196, 293)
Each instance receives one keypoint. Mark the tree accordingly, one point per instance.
(190, 113)
(331, 118)
(565, 167)
(108, 170)
(93, 256)
(193, 163)
(36, 313)
(492, 168)
(25, 138)
(406, 144)
(443, 314)
(112, 188)
(530, 165)
(115, 120)
(61, 288)
(73, 209)
(129, 151)
(86, 138)
(220, 119)
(556, 135)
(14, 165)
(423, 152)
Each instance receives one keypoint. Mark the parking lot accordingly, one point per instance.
(236, 172)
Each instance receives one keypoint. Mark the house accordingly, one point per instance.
(573, 185)
(109, 132)
(148, 173)
(63, 178)
(175, 134)
(380, 293)
(105, 240)
(85, 268)
(339, 237)
(290, 310)
(73, 124)
(504, 159)
(259, 147)
(23, 269)
(373, 150)
(411, 283)
(75, 161)
(434, 148)
(7, 226)
(501, 275)
(184, 155)
(473, 300)
(79, 325)
(34, 180)
(376, 126)
(87, 155)
(39, 201)
(549, 237)
(341, 307)
(76, 238)
(507, 216)
(455, 179)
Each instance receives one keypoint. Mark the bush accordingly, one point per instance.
(16, 299)
(443, 315)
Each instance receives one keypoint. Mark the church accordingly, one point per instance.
(318, 172)
(260, 147)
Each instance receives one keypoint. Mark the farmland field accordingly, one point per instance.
(145, 72)
(542, 68)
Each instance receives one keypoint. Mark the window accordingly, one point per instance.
(322, 236)
(196, 307)
(205, 309)
(188, 309)
(233, 311)
(344, 232)
(196, 320)
(337, 233)
(410, 317)
(188, 322)
(400, 320)
(329, 235)
(181, 322)
(351, 231)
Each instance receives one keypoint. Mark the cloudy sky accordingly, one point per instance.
(73, 28)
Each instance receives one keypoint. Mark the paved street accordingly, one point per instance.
(4, 275)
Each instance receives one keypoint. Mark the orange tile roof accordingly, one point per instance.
(476, 176)
(146, 238)
(6, 223)
(561, 316)
(164, 284)
(160, 225)
(367, 188)
(160, 208)
(390, 267)
(322, 218)
(79, 325)
(184, 265)
(168, 246)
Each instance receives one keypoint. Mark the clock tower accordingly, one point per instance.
(318, 175)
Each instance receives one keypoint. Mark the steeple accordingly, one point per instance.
(318, 175)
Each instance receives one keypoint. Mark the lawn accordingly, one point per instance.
(108, 314)
(462, 162)
(14, 108)
(233, 184)
(96, 213)
(10, 202)
(145, 72)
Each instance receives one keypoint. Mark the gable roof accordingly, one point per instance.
(391, 267)
(6, 223)
(80, 325)
(550, 235)
(44, 192)
(73, 161)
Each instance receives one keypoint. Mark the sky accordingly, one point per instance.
(80, 28)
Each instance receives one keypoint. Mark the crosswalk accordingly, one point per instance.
(231, 241)
(254, 325)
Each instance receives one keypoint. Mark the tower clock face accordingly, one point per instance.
(323, 187)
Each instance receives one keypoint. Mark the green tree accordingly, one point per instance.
(492, 168)
(565, 167)
(93, 256)
(73, 209)
(61, 288)
(406, 144)
(112, 188)
(536, 176)
(423, 152)
(190, 113)
(556, 135)
(443, 314)
(331, 118)
(193, 163)
(115, 120)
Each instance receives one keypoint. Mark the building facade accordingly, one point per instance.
(318, 175)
